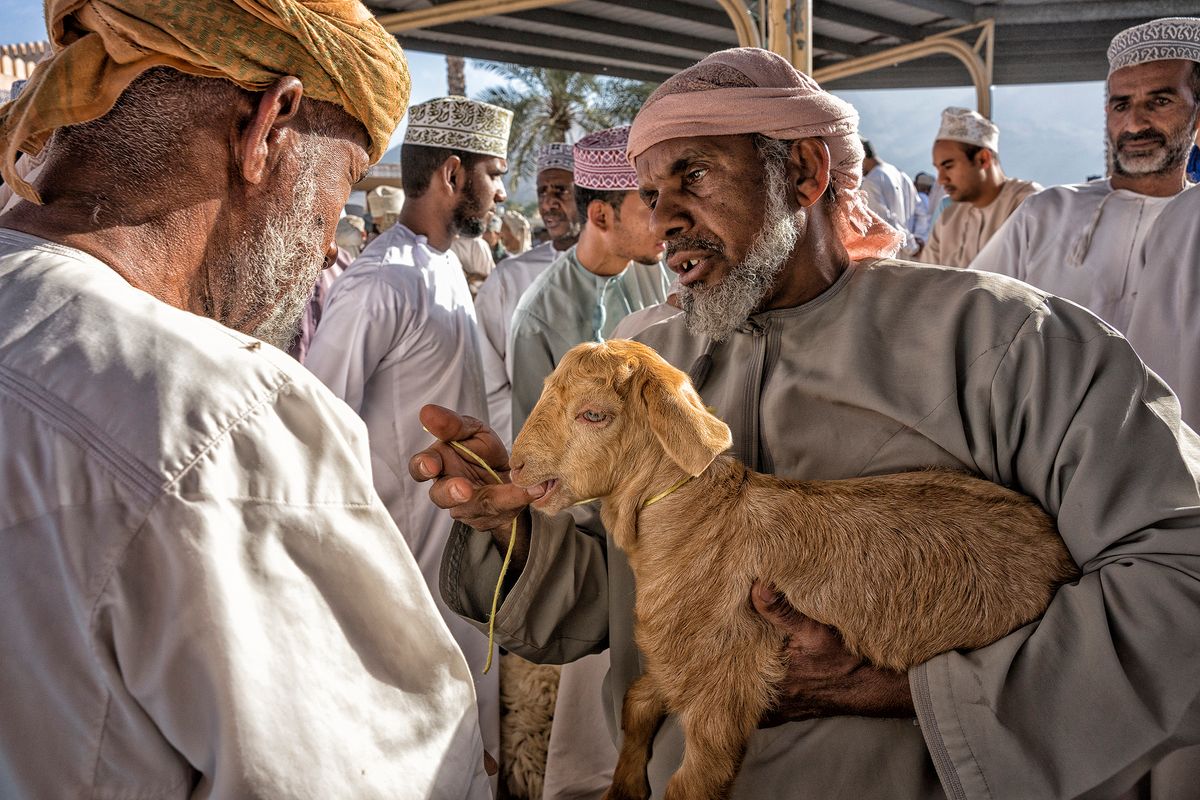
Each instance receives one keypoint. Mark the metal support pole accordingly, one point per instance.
(802, 36)
(946, 43)
(779, 39)
(743, 22)
(457, 11)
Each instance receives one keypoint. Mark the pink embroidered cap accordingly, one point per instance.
(601, 163)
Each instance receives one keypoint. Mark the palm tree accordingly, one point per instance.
(456, 75)
(552, 105)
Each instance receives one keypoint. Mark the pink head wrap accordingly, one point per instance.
(749, 90)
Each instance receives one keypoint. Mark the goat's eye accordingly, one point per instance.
(593, 417)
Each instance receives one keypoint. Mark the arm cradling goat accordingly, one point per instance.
(904, 566)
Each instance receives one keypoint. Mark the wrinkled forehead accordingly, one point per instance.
(555, 177)
(1151, 77)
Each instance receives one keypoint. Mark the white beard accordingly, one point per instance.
(277, 267)
(717, 311)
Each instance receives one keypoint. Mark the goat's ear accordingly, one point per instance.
(691, 435)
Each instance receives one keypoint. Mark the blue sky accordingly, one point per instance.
(1052, 133)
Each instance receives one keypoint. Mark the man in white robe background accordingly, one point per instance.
(1084, 242)
(966, 155)
(1165, 325)
(399, 329)
(498, 296)
(203, 594)
(892, 195)
(614, 270)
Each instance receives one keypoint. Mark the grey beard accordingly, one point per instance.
(277, 267)
(717, 311)
(1170, 156)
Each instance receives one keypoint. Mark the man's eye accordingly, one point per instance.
(593, 416)
(696, 175)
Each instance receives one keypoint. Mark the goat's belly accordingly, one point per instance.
(694, 640)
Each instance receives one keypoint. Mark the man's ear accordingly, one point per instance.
(452, 174)
(808, 170)
(984, 158)
(599, 215)
(268, 132)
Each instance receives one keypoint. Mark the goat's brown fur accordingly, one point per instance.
(904, 566)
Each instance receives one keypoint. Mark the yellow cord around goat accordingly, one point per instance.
(512, 541)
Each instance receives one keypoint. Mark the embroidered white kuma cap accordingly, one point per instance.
(969, 127)
(556, 155)
(457, 123)
(1158, 40)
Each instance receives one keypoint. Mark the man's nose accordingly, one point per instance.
(667, 219)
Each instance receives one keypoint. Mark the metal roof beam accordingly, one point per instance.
(1075, 13)
(951, 9)
(454, 11)
(517, 38)
(673, 8)
(640, 72)
(835, 45)
(582, 22)
(868, 22)
(1051, 34)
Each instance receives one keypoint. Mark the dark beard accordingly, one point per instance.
(468, 214)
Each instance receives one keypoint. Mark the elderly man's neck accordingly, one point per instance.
(152, 241)
(806, 276)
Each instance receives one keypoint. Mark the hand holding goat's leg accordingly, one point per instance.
(641, 716)
(466, 488)
(823, 678)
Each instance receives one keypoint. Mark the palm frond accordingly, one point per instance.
(551, 105)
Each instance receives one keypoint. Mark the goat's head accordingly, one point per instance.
(610, 413)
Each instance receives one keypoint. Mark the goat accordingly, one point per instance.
(904, 566)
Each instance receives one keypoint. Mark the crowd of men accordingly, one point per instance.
(234, 573)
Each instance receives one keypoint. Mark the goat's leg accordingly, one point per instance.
(715, 731)
(641, 715)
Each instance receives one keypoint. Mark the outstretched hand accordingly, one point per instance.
(823, 678)
(460, 484)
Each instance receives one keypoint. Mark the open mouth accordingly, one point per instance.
(550, 487)
(694, 270)
(690, 267)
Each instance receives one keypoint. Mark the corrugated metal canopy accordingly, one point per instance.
(1036, 41)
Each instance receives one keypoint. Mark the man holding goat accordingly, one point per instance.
(828, 360)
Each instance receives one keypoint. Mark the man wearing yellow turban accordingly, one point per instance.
(204, 595)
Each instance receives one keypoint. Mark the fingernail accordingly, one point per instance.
(427, 430)
(458, 495)
(423, 468)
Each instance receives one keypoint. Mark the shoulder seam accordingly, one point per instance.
(79, 429)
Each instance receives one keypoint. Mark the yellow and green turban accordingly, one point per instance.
(335, 47)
